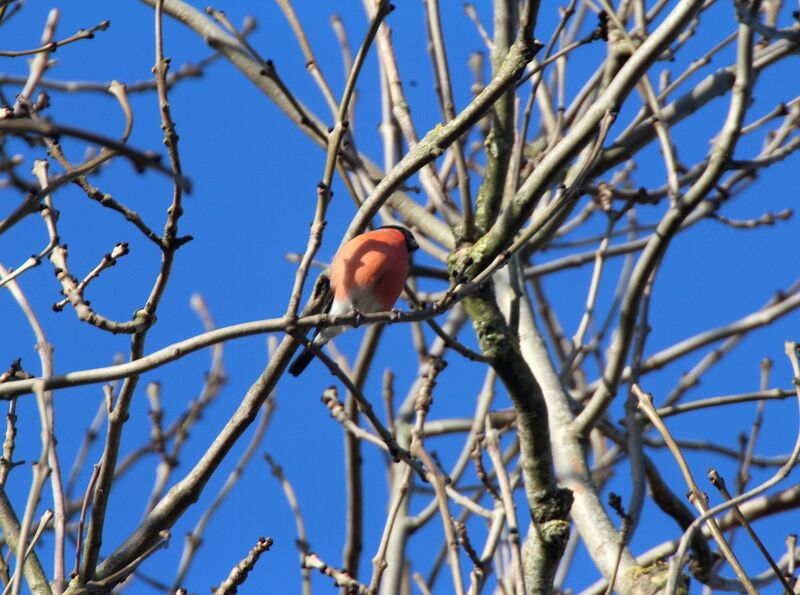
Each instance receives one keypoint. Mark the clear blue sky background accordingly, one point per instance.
(255, 179)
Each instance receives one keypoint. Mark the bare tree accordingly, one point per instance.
(548, 167)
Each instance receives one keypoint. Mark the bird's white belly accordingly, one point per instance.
(362, 300)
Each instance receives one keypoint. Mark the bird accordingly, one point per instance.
(367, 275)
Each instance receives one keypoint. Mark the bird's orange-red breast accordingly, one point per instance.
(370, 270)
(367, 275)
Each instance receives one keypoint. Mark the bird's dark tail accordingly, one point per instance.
(301, 362)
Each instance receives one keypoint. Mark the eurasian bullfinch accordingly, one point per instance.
(367, 275)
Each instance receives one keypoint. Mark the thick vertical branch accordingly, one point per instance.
(500, 139)
(549, 505)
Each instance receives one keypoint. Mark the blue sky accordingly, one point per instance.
(255, 179)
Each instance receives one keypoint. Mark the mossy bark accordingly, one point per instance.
(549, 504)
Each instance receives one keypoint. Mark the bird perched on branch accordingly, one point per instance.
(367, 275)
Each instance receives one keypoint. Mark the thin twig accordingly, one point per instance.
(698, 498)
(239, 574)
(719, 482)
